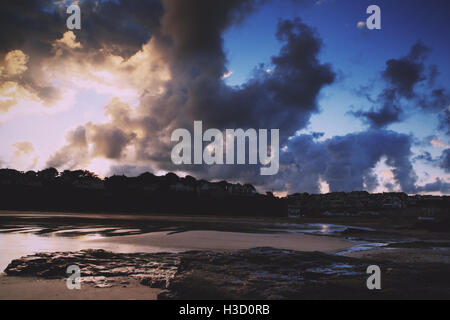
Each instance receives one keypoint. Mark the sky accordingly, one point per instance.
(357, 109)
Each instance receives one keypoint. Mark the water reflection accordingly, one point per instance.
(24, 241)
(314, 228)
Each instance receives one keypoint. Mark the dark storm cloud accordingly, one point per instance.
(26, 26)
(402, 78)
(283, 98)
(347, 162)
(120, 27)
(403, 74)
(26, 23)
(389, 112)
(108, 141)
(108, 27)
(117, 26)
(190, 38)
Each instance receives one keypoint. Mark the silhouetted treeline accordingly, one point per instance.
(84, 191)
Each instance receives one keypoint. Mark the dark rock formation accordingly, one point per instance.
(259, 273)
(99, 267)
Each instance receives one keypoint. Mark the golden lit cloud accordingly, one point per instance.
(69, 40)
(15, 64)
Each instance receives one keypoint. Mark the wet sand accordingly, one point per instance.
(31, 288)
(216, 240)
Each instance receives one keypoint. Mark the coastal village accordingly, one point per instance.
(363, 203)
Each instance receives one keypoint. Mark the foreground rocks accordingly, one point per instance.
(102, 268)
(259, 273)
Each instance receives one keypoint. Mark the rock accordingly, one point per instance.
(259, 273)
(98, 266)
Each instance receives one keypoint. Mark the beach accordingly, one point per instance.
(216, 240)
(156, 257)
(34, 288)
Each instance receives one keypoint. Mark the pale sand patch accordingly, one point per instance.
(217, 240)
(30, 288)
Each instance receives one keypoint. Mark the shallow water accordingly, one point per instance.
(365, 246)
(17, 244)
(25, 234)
(314, 228)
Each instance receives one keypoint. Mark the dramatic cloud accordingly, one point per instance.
(196, 91)
(194, 88)
(403, 74)
(163, 65)
(111, 32)
(389, 112)
(119, 27)
(11, 70)
(402, 78)
(347, 163)
(91, 141)
(108, 142)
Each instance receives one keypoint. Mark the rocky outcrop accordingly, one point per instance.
(259, 273)
(100, 267)
(256, 273)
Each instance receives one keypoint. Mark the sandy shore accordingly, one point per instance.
(30, 288)
(215, 240)
(27, 288)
